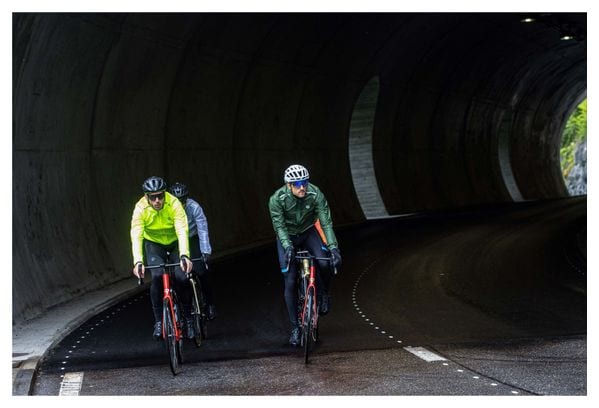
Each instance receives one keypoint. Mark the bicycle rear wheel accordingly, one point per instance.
(172, 345)
(199, 320)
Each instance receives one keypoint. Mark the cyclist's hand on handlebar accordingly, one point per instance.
(289, 254)
(186, 264)
(205, 257)
(139, 270)
(336, 257)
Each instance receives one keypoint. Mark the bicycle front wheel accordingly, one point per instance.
(307, 326)
(172, 345)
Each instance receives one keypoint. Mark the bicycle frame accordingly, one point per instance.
(309, 310)
(172, 316)
(167, 295)
(309, 282)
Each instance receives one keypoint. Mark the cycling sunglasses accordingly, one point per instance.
(153, 197)
(301, 183)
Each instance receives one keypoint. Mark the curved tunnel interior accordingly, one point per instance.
(469, 110)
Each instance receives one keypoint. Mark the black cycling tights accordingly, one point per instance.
(309, 240)
(156, 254)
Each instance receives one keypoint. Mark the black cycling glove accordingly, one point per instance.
(336, 257)
(289, 254)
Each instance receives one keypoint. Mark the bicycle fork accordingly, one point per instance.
(309, 271)
(168, 296)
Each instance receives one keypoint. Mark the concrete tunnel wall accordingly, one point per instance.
(470, 110)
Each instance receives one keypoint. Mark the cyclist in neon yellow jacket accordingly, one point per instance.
(159, 235)
(294, 209)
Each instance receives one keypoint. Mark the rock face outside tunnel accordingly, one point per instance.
(577, 178)
(469, 111)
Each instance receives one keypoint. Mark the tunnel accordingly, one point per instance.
(393, 113)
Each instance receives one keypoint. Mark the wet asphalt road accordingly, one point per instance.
(499, 293)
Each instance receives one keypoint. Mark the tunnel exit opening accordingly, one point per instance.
(573, 151)
(360, 152)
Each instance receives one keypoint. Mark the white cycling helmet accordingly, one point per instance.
(296, 172)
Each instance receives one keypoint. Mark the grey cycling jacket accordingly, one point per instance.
(198, 224)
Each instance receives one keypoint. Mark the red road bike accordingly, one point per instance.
(307, 303)
(172, 318)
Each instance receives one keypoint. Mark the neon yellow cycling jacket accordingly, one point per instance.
(163, 227)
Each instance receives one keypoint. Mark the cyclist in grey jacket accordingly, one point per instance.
(199, 241)
(294, 209)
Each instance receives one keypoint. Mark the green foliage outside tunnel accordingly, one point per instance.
(575, 133)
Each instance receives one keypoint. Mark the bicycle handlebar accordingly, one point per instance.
(140, 281)
(300, 255)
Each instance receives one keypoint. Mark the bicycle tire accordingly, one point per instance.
(172, 345)
(198, 321)
(202, 321)
(307, 327)
(179, 324)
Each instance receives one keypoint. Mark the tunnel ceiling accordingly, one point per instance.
(470, 110)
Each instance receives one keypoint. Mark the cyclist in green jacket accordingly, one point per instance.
(159, 228)
(294, 208)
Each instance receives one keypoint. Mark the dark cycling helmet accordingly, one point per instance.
(179, 190)
(154, 184)
(296, 172)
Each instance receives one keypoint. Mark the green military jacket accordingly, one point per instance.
(291, 215)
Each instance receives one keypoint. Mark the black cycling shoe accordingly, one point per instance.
(211, 312)
(191, 331)
(157, 330)
(294, 340)
(324, 306)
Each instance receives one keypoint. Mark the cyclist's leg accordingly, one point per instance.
(202, 274)
(317, 248)
(323, 269)
(182, 286)
(155, 254)
(181, 282)
(290, 280)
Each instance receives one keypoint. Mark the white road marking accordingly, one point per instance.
(424, 354)
(71, 384)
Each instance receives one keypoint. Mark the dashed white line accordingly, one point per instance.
(420, 352)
